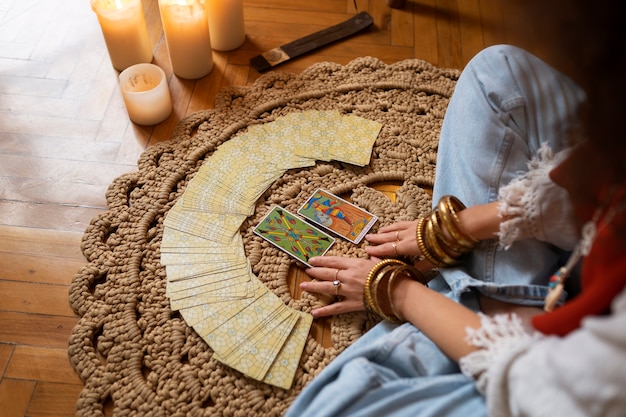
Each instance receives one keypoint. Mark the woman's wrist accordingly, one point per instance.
(398, 294)
(482, 221)
(381, 283)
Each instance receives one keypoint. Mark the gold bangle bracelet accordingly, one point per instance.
(414, 274)
(421, 222)
(452, 245)
(380, 276)
(392, 317)
(448, 207)
(417, 275)
(392, 278)
(368, 297)
(372, 292)
(455, 205)
(431, 242)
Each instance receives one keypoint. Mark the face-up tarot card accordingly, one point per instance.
(292, 235)
(337, 215)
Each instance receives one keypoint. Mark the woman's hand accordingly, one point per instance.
(398, 239)
(341, 277)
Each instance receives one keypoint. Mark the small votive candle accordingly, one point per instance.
(187, 36)
(146, 94)
(225, 24)
(125, 32)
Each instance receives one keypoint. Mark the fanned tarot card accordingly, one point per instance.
(292, 235)
(210, 280)
(337, 215)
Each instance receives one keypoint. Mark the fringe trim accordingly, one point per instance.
(519, 199)
(498, 336)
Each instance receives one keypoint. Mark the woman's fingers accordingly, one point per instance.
(343, 278)
(397, 239)
(340, 277)
(396, 231)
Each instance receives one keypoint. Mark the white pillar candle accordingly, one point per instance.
(187, 36)
(146, 94)
(125, 33)
(225, 24)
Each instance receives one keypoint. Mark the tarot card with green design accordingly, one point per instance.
(293, 236)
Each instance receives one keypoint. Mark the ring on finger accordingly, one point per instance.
(397, 235)
(336, 285)
(395, 247)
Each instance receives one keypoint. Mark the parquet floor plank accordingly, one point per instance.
(61, 244)
(44, 217)
(35, 329)
(62, 395)
(28, 297)
(15, 395)
(34, 363)
(6, 351)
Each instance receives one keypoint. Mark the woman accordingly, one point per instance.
(513, 152)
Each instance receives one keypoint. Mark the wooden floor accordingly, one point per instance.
(65, 134)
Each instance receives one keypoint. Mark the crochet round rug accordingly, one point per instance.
(129, 348)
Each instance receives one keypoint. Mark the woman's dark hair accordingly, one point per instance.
(590, 43)
(586, 40)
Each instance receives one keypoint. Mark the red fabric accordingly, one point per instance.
(603, 278)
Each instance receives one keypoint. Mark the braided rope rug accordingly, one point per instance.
(129, 348)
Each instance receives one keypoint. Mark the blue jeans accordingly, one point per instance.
(506, 104)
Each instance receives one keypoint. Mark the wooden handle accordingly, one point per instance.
(276, 56)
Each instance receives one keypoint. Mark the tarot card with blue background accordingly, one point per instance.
(293, 235)
(338, 215)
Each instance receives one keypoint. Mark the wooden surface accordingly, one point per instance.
(65, 135)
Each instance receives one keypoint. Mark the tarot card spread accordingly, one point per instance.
(209, 278)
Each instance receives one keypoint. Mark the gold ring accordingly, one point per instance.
(336, 284)
(397, 235)
(336, 274)
(395, 247)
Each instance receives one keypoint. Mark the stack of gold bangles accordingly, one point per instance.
(440, 239)
(437, 247)
(379, 286)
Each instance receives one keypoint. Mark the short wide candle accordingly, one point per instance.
(125, 33)
(225, 24)
(187, 36)
(146, 95)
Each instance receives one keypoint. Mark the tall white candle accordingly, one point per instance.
(146, 95)
(187, 36)
(225, 24)
(124, 29)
